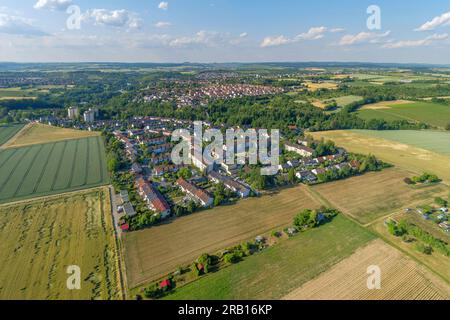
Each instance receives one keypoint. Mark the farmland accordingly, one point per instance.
(41, 239)
(51, 168)
(402, 155)
(401, 279)
(435, 114)
(282, 268)
(377, 194)
(39, 133)
(7, 132)
(153, 253)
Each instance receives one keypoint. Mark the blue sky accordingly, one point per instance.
(223, 31)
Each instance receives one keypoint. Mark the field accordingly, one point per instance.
(374, 195)
(341, 101)
(40, 133)
(435, 141)
(402, 155)
(401, 279)
(155, 252)
(435, 114)
(323, 85)
(7, 132)
(39, 240)
(282, 268)
(51, 168)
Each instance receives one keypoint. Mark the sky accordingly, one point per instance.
(398, 31)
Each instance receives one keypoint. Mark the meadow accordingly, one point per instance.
(402, 278)
(40, 239)
(402, 155)
(8, 131)
(153, 253)
(374, 195)
(51, 168)
(435, 114)
(37, 133)
(282, 268)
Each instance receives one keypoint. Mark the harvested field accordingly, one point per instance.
(8, 131)
(275, 272)
(40, 239)
(39, 133)
(377, 194)
(402, 155)
(46, 169)
(401, 278)
(153, 253)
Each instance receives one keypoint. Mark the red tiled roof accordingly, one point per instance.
(166, 283)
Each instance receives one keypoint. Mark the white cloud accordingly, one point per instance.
(442, 20)
(16, 25)
(313, 34)
(417, 43)
(163, 5)
(337, 30)
(163, 24)
(114, 18)
(53, 4)
(243, 35)
(363, 37)
(275, 41)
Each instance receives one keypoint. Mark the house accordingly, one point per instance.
(166, 284)
(136, 168)
(307, 176)
(125, 227)
(199, 195)
(154, 199)
(283, 167)
(230, 184)
(231, 169)
(163, 169)
(318, 171)
(293, 163)
(355, 164)
(443, 210)
(124, 196)
(445, 226)
(129, 210)
(299, 149)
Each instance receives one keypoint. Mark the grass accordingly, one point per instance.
(435, 114)
(40, 239)
(8, 131)
(435, 141)
(52, 168)
(402, 278)
(282, 268)
(39, 133)
(153, 253)
(374, 195)
(402, 155)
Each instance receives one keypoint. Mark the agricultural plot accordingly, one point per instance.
(40, 239)
(435, 114)
(278, 270)
(401, 155)
(377, 194)
(7, 132)
(39, 133)
(46, 169)
(155, 252)
(401, 279)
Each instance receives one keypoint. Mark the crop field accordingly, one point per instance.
(39, 133)
(401, 278)
(51, 168)
(155, 252)
(435, 141)
(401, 155)
(435, 114)
(278, 270)
(377, 194)
(40, 239)
(8, 131)
(323, 85)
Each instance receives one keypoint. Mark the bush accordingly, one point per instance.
(425, 249)
(409, 181)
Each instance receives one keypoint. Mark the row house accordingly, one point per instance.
(153, 198)
(199, 195)
(230, 184)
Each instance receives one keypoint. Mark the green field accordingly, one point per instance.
(52, 168)
(436, 141)
(345, 100)
(282, 268)
(432, 113)
(7, 132)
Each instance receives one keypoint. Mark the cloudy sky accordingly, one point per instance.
(224, 30)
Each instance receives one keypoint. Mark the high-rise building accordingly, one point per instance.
(73, 113)
(89, 116)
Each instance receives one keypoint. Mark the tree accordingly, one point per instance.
(447, 127)
(291, 176)
(441, 202)
(185, 173)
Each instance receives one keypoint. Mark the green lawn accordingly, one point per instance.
(346, 100)
(52, 168)
(436, 141)
(282, 268)
(432, 113)
(8, 131)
